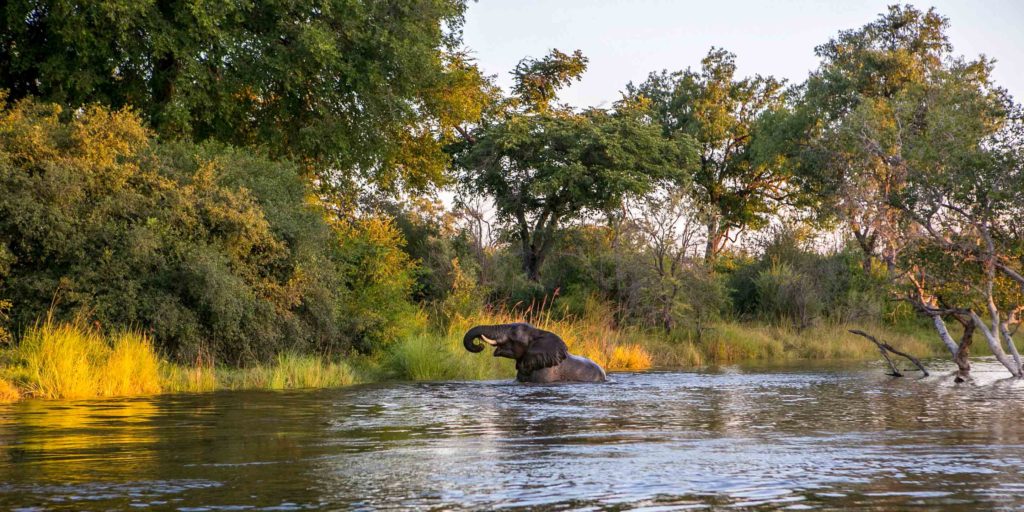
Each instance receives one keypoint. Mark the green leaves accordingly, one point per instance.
(537, 81)
(743, 176)
(547, 166)
(345, 87)
(212, 249)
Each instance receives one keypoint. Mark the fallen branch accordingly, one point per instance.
(885, 348)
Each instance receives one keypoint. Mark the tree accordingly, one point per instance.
(741, 180)
(861, 72)
(545, 165)
(955, 141)
(666, 230)
(213, 250)
(365, 92)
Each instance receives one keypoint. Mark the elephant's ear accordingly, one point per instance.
(544, 350)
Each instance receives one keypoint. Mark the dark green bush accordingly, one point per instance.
(211, 249)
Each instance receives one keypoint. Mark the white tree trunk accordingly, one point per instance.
(940, 326)
(1005, 329)
(992, 337)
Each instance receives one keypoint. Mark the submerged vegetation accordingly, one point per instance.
(175, 222)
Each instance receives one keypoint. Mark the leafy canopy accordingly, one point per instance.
(360, 91)
(742, 177)
(214, 250)
(546, 165)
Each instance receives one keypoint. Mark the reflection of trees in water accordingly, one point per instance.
(423, 445)
(48, 441)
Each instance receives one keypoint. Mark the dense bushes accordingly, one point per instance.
(214, 251)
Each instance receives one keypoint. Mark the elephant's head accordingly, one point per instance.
(532, 348)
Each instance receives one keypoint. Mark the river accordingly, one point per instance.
(789, 437)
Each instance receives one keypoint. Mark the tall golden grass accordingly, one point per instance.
(71, 361)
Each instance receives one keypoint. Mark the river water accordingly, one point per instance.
(824, 437)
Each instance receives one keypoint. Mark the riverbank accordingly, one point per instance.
(74, 361)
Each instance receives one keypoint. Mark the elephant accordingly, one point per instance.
(541, 356)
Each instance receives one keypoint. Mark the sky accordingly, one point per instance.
(626, 40)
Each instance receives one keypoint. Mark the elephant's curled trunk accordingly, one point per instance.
(477, 332)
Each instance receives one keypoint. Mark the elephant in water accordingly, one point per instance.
(541, 356)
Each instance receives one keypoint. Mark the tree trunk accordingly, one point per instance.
(714, 244)
(962, 358)
(531, 265)
(994, 345)
(867, 247)
(165, 72)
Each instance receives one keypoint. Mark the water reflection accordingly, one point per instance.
(819, 438)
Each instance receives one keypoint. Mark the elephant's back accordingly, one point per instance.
(582, 369)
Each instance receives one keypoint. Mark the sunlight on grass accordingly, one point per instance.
(70, 360)
(131, 368)
(629, 357)
(290, 371)
(8, 392)
(198, 378)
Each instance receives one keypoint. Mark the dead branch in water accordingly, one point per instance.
(885, 348)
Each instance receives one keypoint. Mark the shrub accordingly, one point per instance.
(131, 367)
(207, 247)
(787, 295)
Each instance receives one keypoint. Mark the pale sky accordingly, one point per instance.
(625, 40)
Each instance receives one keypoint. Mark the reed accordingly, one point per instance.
(132, 367)
(71, 361)
(290, 371)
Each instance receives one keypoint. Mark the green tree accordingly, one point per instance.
(961, 151)
(358, 91)
(742, 177)
(862, 71)
(547, 165)
(921, 152)
(212, 249)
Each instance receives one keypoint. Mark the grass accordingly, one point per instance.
(730, 342)
(71, 361)
(8, 392)
(288, 371)
(75, 361)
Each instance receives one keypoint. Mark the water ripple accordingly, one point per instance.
(795, 438)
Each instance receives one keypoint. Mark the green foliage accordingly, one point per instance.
(378, 275)
(370, 86)
(5, 310)
(442, 357)
(545, 169)
(537, 81)
(209, 248)
(878, 60)
(743, 177)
